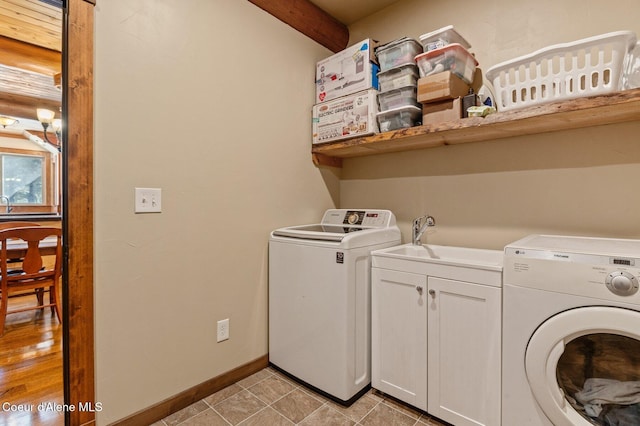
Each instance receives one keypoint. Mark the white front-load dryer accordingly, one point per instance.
(571, 331)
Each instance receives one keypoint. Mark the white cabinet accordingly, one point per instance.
(464, 329)
(436, 330)
(399, 335)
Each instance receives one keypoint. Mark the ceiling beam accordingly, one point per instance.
(310, 20)
(25, 106)
(29, 57)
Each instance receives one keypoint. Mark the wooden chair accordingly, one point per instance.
(16, 224)
(33, 274)
(12, 262)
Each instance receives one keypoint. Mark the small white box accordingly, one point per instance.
(346, 72)
(346, 117)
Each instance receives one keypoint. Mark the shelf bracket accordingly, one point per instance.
(325, 160)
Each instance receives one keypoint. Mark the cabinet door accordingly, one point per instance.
(464, 358)
(399, 335)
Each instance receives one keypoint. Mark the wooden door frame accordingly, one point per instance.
(78, 338)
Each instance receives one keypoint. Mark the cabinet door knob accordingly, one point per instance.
(432, 292)
(419, 289)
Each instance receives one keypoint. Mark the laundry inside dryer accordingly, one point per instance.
(600, 376)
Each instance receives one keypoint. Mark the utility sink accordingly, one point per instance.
(445, 255)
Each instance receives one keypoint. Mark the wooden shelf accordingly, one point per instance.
(591, 111)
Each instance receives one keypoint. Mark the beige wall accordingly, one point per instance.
(488, 194)
(210, 101)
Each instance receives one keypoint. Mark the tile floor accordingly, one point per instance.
(269, 398)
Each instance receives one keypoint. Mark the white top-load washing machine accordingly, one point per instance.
(320, 299)
(571, 331)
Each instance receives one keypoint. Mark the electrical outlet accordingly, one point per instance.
(148, 200)
(223, 330)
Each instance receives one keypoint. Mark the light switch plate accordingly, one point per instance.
(148, 200)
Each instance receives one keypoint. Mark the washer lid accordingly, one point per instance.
(337, 224)
(548, 343)
(317, 232)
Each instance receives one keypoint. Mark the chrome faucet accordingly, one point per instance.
(419, 228)
(7, 202)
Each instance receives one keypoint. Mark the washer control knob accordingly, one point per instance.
(622, 283)
(353, 218)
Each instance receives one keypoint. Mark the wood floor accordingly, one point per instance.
(31, 367)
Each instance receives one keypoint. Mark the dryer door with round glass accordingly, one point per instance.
(583, 366)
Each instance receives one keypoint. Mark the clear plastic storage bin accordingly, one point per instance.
(585, 67)
(398, 52)
(399, 118)
(452, 57)
(631, 79)
(395, 78)
(396, 98)
(441, 38)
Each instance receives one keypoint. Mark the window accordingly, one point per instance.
(29, 178)
(22, 178)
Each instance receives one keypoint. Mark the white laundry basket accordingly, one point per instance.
(586, 67)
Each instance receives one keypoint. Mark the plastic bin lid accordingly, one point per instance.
(412, 87)
(399, 68)
(440, 51)
(445, 33)
(396, 43)
(414, 110)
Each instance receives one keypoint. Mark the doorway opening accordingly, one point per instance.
(31, 190)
